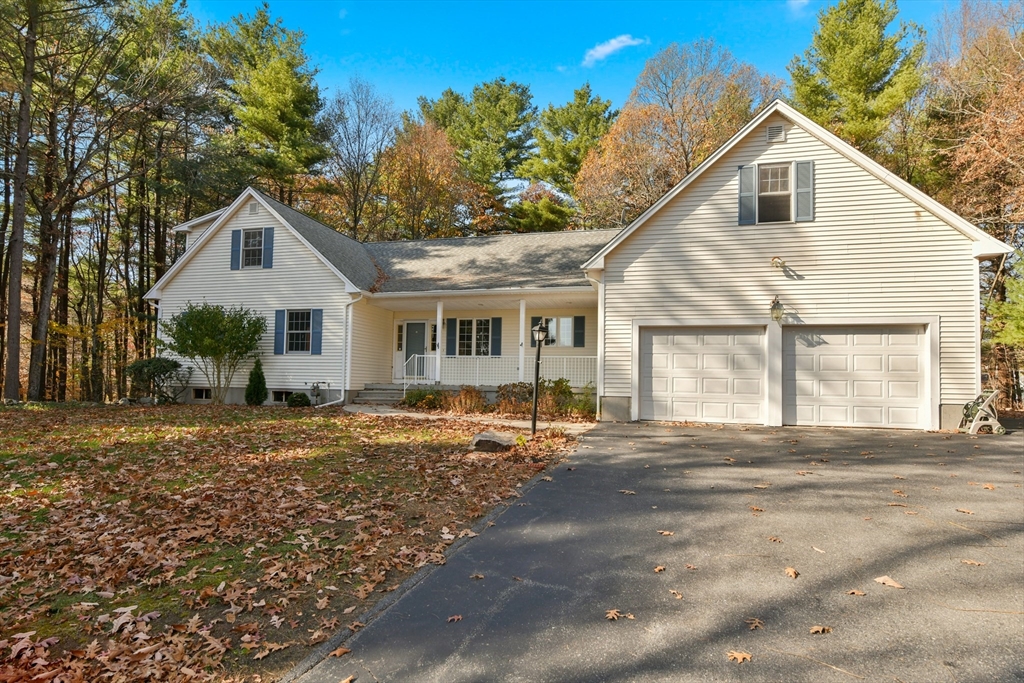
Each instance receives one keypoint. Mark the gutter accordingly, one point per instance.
(348, 345)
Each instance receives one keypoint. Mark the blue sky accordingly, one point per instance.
(407, 49)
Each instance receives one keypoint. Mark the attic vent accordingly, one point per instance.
(776, 133)
(254, 208)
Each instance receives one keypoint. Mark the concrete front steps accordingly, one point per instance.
(387, 394)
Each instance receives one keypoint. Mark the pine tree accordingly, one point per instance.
(854, 77)
(256, 389)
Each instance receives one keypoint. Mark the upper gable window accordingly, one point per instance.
(773, 196)
(252, 248)
(776, 193)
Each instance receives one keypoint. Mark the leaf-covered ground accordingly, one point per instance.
(202, 543)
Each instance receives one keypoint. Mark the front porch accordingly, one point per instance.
(497, 370)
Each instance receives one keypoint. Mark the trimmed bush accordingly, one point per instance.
(430, 399)
(299, 399)
(162, 378)
(468, 400)
(256, 389)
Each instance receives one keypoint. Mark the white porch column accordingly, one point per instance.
(522, 340)
(437, 352)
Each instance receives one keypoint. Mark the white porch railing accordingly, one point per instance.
(579, 370)
(497, 370)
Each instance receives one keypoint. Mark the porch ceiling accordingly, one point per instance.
(575, 297)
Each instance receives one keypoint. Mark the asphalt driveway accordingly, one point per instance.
(941, 514)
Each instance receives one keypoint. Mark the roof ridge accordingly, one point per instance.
(504, 234)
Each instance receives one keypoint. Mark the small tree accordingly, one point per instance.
(216, 340)
(256, 389)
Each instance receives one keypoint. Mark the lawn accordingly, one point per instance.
(220, 543)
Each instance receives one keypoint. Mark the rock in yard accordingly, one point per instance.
(493, 442)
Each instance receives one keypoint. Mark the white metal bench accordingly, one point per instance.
(981, 414)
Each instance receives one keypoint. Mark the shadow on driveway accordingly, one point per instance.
(942, 514)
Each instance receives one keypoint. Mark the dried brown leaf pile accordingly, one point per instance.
(200, 543)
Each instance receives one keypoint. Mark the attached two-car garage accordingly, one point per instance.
(831, 375)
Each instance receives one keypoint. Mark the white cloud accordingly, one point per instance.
(796, 6)
(610, 47)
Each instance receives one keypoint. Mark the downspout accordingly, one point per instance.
(348, 345)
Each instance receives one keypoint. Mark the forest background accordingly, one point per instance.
(120, 120)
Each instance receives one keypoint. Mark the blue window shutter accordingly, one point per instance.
(534, 321)
(279, 326)
(495, 336)
(236, 249)
(748, 195)
(579, 331)
(451, 336)
(805, 191)
(316, 331)
(268, 247)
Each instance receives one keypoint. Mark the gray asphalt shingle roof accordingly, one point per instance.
(539, 259)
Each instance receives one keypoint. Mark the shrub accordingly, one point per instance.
(162, 378)
(431, 399)
(468, 400)
(298, 399)
(256, 389)
(582, 404)
(515, 398)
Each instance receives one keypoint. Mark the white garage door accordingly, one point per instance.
(702, 374)
(857, 376)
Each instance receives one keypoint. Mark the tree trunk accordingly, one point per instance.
(12, 374)
(63, 340)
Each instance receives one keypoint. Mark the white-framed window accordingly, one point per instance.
(401, 336)
(299, 331)
(252, 248)
(560, 331)
(474, 338)
(202, 394)
(774, 194)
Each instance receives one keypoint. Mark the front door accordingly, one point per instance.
(415, 345)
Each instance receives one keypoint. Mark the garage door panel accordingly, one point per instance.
(714, 374)
(855, 375)
(904, 364)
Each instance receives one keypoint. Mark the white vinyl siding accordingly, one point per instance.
(372, 330)
(298, 280)
(869, 252)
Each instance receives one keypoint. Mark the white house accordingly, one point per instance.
(877, 284)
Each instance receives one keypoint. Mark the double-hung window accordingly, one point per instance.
(474, 337)
(299, 331)
(776, 193)
(252, 248)
(560, 331)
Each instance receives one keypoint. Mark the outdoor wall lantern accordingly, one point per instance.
(540, 335)
(777, 310)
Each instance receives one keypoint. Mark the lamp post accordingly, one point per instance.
(540, 335)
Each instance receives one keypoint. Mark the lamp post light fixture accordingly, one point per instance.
(540, 335)
(777, 310)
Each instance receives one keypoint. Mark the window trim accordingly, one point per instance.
(206, 390)
(758, 194)
(258, 250)
(285, 393)
(474, 334)
(288, 332)
(557, 339)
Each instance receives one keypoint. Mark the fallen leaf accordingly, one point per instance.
(754, 623)
(792, 573)
(990, 487)
(973, 563)
(738, 657)
(855, 592)
(887, 581)
(666, 533)
(659, 569)
(762, 485)
(897, 505)
(897, 492)
(965, 511)
(341, 651)
(803, 473)
(627, 492)
(821, 629)
(775, 539)
(350, 679)
(454, 617)
(818, 549)
(754, 508)
(615, 615)
(476, 576)
(676, 594)
(691, 567)
(546, 479)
